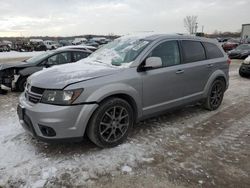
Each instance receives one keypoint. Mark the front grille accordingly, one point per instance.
(33, 94)
(37, 90)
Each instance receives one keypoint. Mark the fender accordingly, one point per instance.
(29, 70)
(115, 89)
(212, 78)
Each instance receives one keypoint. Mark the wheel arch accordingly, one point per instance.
(219, 74)
(127, 98)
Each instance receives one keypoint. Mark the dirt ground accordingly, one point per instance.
(189, 147)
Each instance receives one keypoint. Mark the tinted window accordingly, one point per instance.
(212, 50)
(60, 58)
(193, 51)
(79, 55)
(168, 52)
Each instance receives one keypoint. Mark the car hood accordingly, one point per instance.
(17, 65)
(58, 77)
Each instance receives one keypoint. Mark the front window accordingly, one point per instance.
(38, 57)
(119, 52)
(168, 52)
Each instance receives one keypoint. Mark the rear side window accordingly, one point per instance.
(79, 55)
(212, 51)
(193, 51)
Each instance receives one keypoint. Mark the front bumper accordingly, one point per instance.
(68, 122)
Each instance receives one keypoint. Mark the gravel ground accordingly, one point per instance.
(189, 147)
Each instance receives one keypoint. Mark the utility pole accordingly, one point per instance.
(196, 27)
(203, 29)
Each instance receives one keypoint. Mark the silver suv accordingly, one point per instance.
(127, 80)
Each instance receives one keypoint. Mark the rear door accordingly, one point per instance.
(196, 68)
(77, 55)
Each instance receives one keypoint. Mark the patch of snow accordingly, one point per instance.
(149, 160)
(14, 54)
(200, 182)
(126, 169)
(39, 184)
(247, 60)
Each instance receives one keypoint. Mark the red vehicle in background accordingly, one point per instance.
(230, 44)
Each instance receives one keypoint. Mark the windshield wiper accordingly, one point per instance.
(98, 61)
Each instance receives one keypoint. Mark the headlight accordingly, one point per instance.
(60, 97)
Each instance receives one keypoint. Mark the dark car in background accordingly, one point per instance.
(230, 44)
(14, 75)
(240, 52)
(222, 39)
(244, 70)
(4, 48)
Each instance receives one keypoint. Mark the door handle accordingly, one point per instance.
(210, 65)
(179, 72)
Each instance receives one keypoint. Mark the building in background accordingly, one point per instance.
(245, 33)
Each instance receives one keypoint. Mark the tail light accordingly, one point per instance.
(229, 61)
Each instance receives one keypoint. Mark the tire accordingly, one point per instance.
(242, 74)
(215, 95)
(111, 122)
(21, 83)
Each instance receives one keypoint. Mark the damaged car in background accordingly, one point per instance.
(241, 52)
(13, 76)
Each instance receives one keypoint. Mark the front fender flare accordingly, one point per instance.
(117, 89)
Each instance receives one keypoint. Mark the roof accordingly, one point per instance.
(153, 36)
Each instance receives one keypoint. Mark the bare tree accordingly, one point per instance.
(190, 23)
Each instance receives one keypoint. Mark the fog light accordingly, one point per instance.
(47, 131)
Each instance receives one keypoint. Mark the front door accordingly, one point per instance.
(162, 87)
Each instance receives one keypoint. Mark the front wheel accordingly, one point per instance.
(243, 74)
(21, 83)
(215, 95)
(110, 123)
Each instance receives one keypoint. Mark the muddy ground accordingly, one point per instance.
(189, 147)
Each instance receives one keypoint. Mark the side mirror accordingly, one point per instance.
(153, 62)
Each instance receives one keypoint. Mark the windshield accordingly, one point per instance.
(121, 51)
(38, 57)
(243, 47)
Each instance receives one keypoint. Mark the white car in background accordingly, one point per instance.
(78, 41)
(50, 45)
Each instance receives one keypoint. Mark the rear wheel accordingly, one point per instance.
(215, 96)
(21, 83)
(110, 123)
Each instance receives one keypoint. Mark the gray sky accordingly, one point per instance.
(76, 17)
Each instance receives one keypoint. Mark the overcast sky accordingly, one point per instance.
(77, 17)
